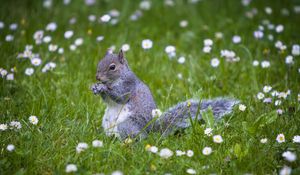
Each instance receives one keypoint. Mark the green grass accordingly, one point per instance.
(69, 113)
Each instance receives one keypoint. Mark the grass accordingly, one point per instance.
(69, 113)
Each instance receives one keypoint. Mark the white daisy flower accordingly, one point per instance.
(3, 127)
(208, 131)
(156, 113)
(279, 28)
(219, 35)
(153, 149)
(68, 34)
(236, 39)
(260, 96)
(73, 47)
(47, 39)
(217, 139)
(10, 77)
(61, 50)
(255, 63)
(81, 147)
(268, 10)
(207, 151)
(180, 153)
(33, 120)
(97, 143)
(145, 5)
(105, 18)
(13, 26)
(180, 76)
(92, 18)
(214, 62)
(289, 59)
(277, 103)
(29, 71)
(36, 61)
(71, 168)
(52, 47)
(99, 38)
(3, 72)
(296, 139)
(265, 64)
(15, 124)
(51, 26)
(78, 41)
(208, 42)
(9, 38)
(181, 59)
(170, 49)
(263, 140)
(242, 107)
(267, 89)
(296, 50)
(258, 34)
(10, 147)
(47, 3)
(125, 47)
(2, 25)
(279, 111)
(206, 49)
(38, 35)
(147, 44)
(165, 153)
(289, 156)
(183, 23)
(191, 171)
(280, 138)
(285, 170)
(118, 172)
(189, 153)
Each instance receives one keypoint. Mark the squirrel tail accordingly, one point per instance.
(179, 115)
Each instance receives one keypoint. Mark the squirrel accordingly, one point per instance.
(130, 103)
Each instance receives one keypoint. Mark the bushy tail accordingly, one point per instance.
(179, 115)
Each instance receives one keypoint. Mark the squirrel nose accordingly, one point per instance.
(98, 78)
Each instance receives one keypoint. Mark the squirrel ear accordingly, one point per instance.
(121, 57)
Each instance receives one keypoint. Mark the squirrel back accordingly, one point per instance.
(130, 102)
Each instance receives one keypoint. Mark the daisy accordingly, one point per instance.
(169, 49)
(153, 149)
(296, 50)
(208, 131)
(92, 18)
(279, 28)
(105, 18)
(296, 139)
(38, 35)
(36, 61)
(258, 34)
(236, 39)
(181, 60)
(255, 63)
(117, 173)
(217, 139)
(29, 71)
(3, 127)
(52, 47)
(78, 41)
(165, 153)
(289, 59)
(2, 25)
(183, 23)
(15, 124)
(81, 147)
(289, 156)
(13, 26)
(73, 47)
(268, 10)
(191, 171)
(260, 95)
(145, 5)
(99, 38)
(9, 38)
(285, 170)
(180, 153)
(147, 44)
(280, 138)
(51, 26)
(206, 49)
(97, 143)
(47, 39)
(33, 119)
(267, 89)
(125, 47)
(68, 34)
(10, 147)
(207, 151)
(277, 102)
(61, 50)
(208, 42)
(263, 140)
(214, 62)
(156, 113)
(265, 64)
(71, 168)
(189, 153)
(10, 77)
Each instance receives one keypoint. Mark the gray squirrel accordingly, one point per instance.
(130, 103)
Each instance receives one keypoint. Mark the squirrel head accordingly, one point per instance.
(111, 67)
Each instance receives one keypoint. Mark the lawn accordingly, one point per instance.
(203, 49)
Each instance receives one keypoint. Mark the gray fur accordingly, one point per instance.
(122, 86)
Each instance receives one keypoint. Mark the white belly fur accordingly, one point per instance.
(113, 116)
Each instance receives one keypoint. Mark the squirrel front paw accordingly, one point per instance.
(98, 88)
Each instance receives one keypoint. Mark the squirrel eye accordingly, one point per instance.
(112, 67)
